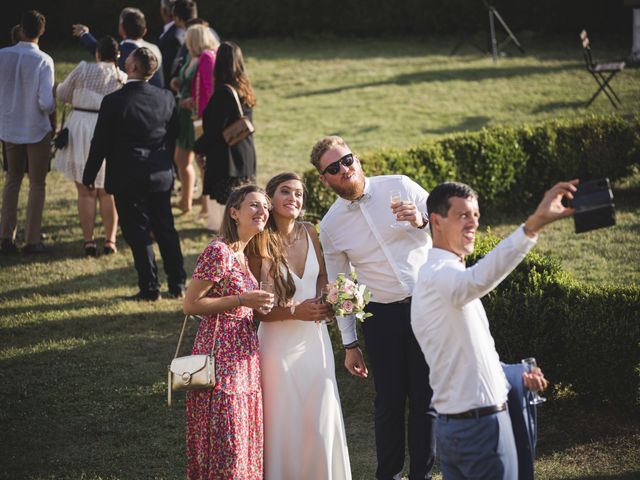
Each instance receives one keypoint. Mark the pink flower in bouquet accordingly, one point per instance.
(347, 306)
(332, 297)
(349, 288)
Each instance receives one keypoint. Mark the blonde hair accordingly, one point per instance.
(199, 38)
(322, 146)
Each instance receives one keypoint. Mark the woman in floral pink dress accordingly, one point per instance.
(224, 425)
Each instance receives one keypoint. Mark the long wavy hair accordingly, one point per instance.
(229, 229)
(282, 281)
(229, 69)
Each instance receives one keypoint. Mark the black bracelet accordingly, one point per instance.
(425, 221)
(352, 345)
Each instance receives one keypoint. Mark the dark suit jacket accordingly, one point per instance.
(169, 44)
(134, 124)
(126, 48)
(523, 420)
(223, 160)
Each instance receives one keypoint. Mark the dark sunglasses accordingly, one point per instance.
(334, 167)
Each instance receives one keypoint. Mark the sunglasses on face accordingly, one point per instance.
(334, 167)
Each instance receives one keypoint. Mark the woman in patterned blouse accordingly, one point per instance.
(224, 424)
(84, 89)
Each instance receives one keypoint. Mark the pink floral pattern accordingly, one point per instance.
(224, 425)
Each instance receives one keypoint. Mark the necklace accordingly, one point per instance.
(287, 241)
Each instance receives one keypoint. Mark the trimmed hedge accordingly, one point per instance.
(584, 337)
(255, 18)
(509, 167)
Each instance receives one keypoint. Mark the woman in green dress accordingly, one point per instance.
(194, 85)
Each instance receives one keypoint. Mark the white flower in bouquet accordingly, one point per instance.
(347, 297)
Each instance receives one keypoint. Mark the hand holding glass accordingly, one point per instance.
(266, 287)
(531, 366)
(396, 198)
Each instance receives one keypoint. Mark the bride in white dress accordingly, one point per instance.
(304, 436)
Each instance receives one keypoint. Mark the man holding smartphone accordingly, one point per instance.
(473, 429)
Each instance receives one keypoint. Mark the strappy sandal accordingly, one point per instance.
(109, 247)
(90, 248)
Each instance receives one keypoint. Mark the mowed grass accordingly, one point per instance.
(83, 372)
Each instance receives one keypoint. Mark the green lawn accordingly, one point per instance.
(83, 372)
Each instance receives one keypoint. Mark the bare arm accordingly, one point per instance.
(197, 303)
(322, 280)
(309, 310)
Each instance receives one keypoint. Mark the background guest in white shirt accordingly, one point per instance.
(26, 101)
(473, 430)
(362, 231)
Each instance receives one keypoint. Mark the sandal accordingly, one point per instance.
(109, 247)
(90, 248)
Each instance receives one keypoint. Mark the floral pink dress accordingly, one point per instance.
(224, 425)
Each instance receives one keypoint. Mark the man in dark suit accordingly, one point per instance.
(133, 128)
(170, 40)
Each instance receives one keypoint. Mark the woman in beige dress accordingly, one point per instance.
(84, 89)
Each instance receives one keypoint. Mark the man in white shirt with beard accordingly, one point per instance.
(473, 430)
(385, 245)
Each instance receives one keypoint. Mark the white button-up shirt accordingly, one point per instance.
(360, 236)
(451, 326)
(26, 93)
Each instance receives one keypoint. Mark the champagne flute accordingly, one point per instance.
(396, 197)
(266, 286)
(323, 299)
(530, 365)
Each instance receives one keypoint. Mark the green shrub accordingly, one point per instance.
(583, 336)
(509, 167)
(356, 17)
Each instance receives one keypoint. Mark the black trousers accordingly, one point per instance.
(141, 213)
(400, 373)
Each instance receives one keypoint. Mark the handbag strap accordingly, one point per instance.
(235, 95)
(184, 326)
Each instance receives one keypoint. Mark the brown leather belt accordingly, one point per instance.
(404, 300)
(476, 412)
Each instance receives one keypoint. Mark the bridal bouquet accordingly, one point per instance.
(347, 297)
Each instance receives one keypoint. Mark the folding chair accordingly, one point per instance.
(601, 72)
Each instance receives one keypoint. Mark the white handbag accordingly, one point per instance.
(192, 371)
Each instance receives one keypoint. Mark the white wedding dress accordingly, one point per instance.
(304, 436)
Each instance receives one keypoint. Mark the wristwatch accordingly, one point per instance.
(425, 221)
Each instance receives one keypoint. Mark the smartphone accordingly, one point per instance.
(593, 204)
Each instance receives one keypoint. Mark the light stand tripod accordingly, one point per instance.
(496, 48)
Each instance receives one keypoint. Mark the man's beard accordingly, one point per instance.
(353, 190)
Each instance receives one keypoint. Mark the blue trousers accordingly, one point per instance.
(479, 448)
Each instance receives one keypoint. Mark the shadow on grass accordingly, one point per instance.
(619, 476)
(469, 123)
(94, 406)
(469, 75)
(552, 106)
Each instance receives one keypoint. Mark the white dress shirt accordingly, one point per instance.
(451, 326)
(143, 43)
(360, 236)
(26, 93)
